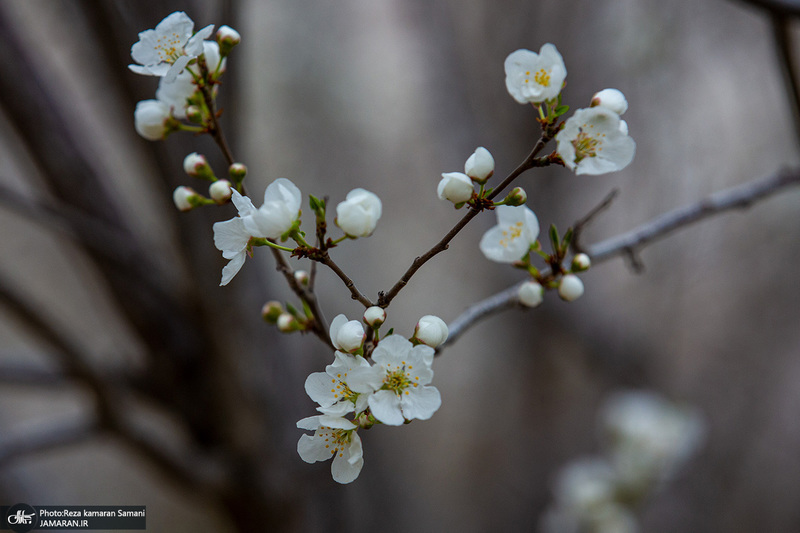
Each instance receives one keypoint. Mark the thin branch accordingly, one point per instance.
(739, 197)
(320, 327)
(326, 260)
(385, 298)
(580, 225)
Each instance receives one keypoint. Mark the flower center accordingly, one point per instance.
(511, 233)
(587, 145)
(542, 77)
(335, 439)
(340, 389)
(399, 380)
(169, 47)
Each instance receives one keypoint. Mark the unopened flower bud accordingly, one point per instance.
(347, 336)
(530, 294)
(570, 288)
(431, 330)
(480, 165)
(301, 277)
(227, 38)
(287, 323)
(152, 120)
(237, 172)
(183, 196)
(196, 165)
(194, 114)
(220, 191)
(516, 197)
(455, 187)
(613, 99)
(581, 262)
(375, 316)
(359, 213)
(271, 311)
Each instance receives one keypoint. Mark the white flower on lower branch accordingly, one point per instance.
(398, 382)
(334, 437)
(330, 389)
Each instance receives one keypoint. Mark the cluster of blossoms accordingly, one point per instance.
(393, 390)
(374, 378)
(185, 63)
(646, 440)
(594, 140)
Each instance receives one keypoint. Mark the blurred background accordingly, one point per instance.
(129, 377)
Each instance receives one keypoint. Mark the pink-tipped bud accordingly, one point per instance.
(581, 262)
(196, 165)
(237, 172)
(183, 197)
(227, 38)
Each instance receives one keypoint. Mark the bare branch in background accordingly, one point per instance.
(628, 244)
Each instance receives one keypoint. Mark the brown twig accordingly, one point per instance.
(385, 298)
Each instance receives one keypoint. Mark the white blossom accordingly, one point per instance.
(648, 437)
(570, 288)
(431, 330)
(231, 237)
(358, 214)
(166, 50)
(455, 187)
(330, 390)
(347, 336)
(530, 294)
(511, 239)
(278, 213)
(151, 119)
(612, 99)
(592, 142)
(399, 380)
(334, 437)
(480, 165)
(535, 78)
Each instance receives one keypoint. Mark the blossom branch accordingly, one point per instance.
(214, 128)
(385, 298)
(739, 197)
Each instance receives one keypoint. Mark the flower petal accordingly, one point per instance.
(385, 406)
(421, 403)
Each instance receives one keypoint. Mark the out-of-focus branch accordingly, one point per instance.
(739, 197)
(52, 436)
